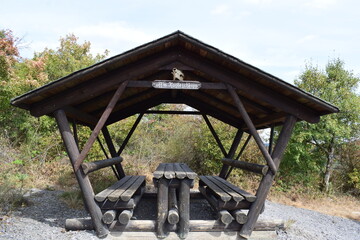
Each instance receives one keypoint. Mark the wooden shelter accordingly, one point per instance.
(216, 84)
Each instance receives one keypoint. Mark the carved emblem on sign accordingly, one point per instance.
(168, 84)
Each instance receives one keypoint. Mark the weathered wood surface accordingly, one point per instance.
(252, 167)
(125, 216)
(109, 216)
(267, 180)
(252, 128)
(195, 225)
(100, 125)
(83, 180)
(174, 170)
(123, 189)
(173, 216)
(231, 152)
(225, 190)
(89, 167)
(225, 217)
(162, 208)
(239, 216)
(120, 205)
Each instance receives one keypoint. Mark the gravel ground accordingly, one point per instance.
(45, 217)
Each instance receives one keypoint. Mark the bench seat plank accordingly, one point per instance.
(115, 195)
(215, 188)
(101, 196)
(180, 173)
(126, 196)
(159, 172)
(189, 173)
(169, 172)
(248, 196)
(226, 186)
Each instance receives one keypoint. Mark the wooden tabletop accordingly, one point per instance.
(174, 170)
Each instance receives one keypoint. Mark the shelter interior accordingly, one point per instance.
(175, 69)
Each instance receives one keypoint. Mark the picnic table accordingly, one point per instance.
(173, 181)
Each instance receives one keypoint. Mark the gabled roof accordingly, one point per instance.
(85, 94)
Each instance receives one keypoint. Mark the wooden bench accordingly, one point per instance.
(121, 198)
(224, 196)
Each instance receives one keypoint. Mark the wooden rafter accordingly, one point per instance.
(252, 129)
(99, 125)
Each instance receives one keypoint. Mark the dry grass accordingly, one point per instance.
(335, 205)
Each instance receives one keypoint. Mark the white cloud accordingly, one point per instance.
(118, 31)
(305, 39)
(221, 10)
(320, 4)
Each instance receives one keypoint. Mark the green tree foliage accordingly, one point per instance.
(21, 75)
(315, 149)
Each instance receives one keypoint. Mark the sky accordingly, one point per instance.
(277, 36)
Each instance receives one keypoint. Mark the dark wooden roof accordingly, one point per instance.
(84, 94)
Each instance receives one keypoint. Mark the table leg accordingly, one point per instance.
(162, 207)
(184, 208)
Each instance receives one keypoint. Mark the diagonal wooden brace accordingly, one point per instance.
(252, 128)
(100, 125)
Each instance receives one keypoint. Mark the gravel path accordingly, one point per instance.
(45, 219)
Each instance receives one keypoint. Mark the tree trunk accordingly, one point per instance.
(329, 168)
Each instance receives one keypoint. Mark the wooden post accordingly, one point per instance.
(231, 152)
(107, 156)
(83, 180)
(239, 155)
(213, 132)
(184, 208)
(112, 150)
(239, 216)
(173, 216)
(136, 123)
(109, 216)
(162, 207)
(125, 216)
(252, 128)
(271, 140)
(100, 125)
(267, 180)
(225, 217)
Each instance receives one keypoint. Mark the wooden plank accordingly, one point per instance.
(89, 167)
(249, 197)
(116, 194)
(225, 186)
(159, 172)
(169, 172)
(133, 188)
(189, 173)
(197, 226)
(101, 196)
(180, 173)
(99, 125)
(217, 190)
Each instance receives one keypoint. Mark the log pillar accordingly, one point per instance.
(83, 180)
(267, 180)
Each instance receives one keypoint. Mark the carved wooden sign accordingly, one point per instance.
(169, 84)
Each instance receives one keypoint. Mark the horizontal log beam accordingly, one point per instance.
(204, 85)
(89, 167)
(195, 225)
(252, 167)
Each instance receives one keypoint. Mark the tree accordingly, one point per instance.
(318, 146)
